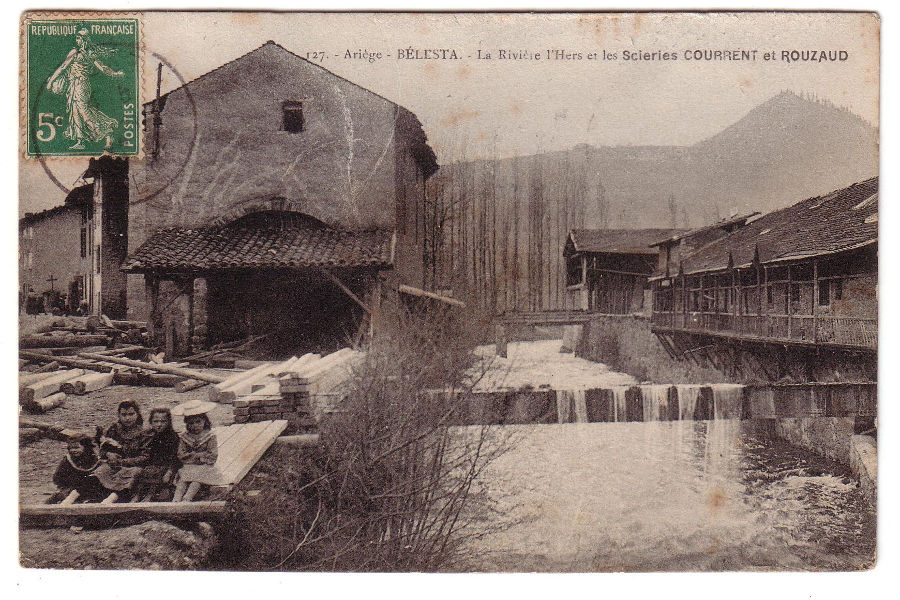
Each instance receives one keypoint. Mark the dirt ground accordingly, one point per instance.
(150, 545)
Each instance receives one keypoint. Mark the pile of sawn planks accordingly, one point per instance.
(297, 390)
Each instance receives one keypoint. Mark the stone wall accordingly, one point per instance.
(828, 436)
(223, 152)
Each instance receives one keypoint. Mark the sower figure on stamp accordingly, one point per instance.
(197, 445)
(72, 77)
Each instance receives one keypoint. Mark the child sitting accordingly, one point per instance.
(73, 475)
(121, 451)
(161, 450)
(196, 446)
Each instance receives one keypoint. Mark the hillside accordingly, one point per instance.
(785, 150)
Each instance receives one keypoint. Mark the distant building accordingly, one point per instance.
(607, 270)
(802, 277)
(70, 255)
(275, 198)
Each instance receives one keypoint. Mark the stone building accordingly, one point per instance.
(70, 255)
(275, 198)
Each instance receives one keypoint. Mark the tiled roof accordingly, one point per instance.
(841, 220)
(80, 196)
(254, 245)
(729, 222)
(617, 241)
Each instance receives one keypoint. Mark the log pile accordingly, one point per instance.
(42, 389)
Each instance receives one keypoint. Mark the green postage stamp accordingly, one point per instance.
(83, 82)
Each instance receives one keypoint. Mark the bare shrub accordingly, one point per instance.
(391, 487)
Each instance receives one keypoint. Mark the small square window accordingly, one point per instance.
(292, 116)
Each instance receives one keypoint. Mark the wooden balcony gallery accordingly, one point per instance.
(803, 275)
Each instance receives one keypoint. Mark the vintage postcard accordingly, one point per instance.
(554, 292)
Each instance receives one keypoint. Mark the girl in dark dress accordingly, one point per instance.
(161, 452)
(122, 452)
(73, 477)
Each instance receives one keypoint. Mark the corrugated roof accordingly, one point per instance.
(841, 220)
(245, 245)
(617, 241)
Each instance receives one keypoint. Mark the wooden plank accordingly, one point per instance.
(246, 386)
(310, 374)
(220, 387)
(63, 515)
(228, 441)
(238, 455)
(253, 453)
(232, 454)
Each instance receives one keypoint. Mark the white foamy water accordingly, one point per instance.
(541, 364)
(662, 496)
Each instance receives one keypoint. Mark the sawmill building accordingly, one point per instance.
(798, 284)
(607, 270)
(275, 198)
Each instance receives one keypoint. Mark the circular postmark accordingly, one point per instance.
(143, 189)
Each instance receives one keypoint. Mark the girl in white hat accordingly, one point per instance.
(197, 445)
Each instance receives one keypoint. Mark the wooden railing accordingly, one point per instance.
(861, 332)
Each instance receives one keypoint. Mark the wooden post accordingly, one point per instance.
(766, 278)
(788, 295)
(736, 298)
(815, 300)
(585, 287)
(151, 286)
(501, 349)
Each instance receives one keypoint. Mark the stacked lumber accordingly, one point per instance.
(261, 399)
(246, 382)
(302, 395)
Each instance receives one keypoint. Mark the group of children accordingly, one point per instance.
(128, 462)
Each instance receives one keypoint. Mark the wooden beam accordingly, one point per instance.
(163, 368)
(104, 367)
(64, 515)
(334, 279)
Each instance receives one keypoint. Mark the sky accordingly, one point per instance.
(471, 107)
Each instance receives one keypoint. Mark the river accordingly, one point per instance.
(667, 496)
